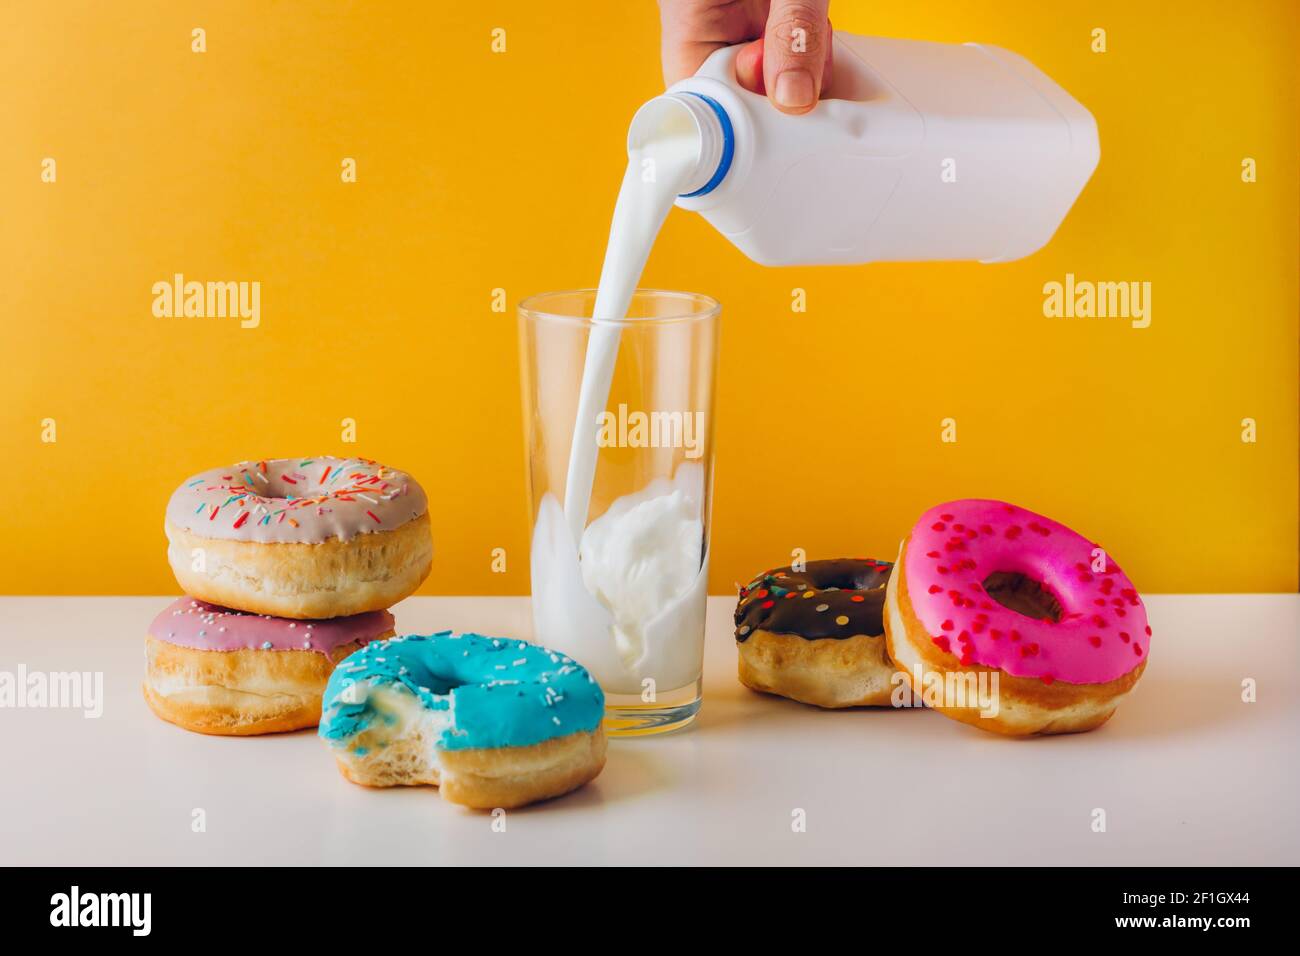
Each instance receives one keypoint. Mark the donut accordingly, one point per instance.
(491, 722)
(816, 635)
(305, 538)
(986, 593)
(216, 671)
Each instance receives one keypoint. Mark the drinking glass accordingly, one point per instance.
(619, 578)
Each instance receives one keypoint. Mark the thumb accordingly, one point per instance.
(796, 50)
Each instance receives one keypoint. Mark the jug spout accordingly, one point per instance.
(699, 123)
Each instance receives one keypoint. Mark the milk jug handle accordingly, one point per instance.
(721, 66)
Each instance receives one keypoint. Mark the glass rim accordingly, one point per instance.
(696, 307)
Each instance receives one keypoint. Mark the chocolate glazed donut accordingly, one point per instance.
(817, 635)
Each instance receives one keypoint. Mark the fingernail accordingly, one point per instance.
(794, 89)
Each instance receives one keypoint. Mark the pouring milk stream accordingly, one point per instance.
(927, 151)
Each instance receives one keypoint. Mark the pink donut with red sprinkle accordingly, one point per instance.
(986, 588)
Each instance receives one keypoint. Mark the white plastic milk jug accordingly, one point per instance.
(925, 151)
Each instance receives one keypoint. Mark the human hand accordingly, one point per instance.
(788, 57)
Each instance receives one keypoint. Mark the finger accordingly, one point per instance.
(795, 50)
(749, 67)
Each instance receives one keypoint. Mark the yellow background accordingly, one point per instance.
(479, 170)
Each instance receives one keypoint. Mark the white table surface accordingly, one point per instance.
(1186, 772)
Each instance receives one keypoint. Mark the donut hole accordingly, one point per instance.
(834, 575)
(444, 685)
(1020, 593)
(274, 489)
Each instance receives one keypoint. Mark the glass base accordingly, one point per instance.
(628, 715)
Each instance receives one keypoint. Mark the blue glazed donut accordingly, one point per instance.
(492, 722)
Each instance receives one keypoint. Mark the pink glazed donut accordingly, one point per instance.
(216, 671)
(988, 588)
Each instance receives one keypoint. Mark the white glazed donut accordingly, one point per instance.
(300, 537)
